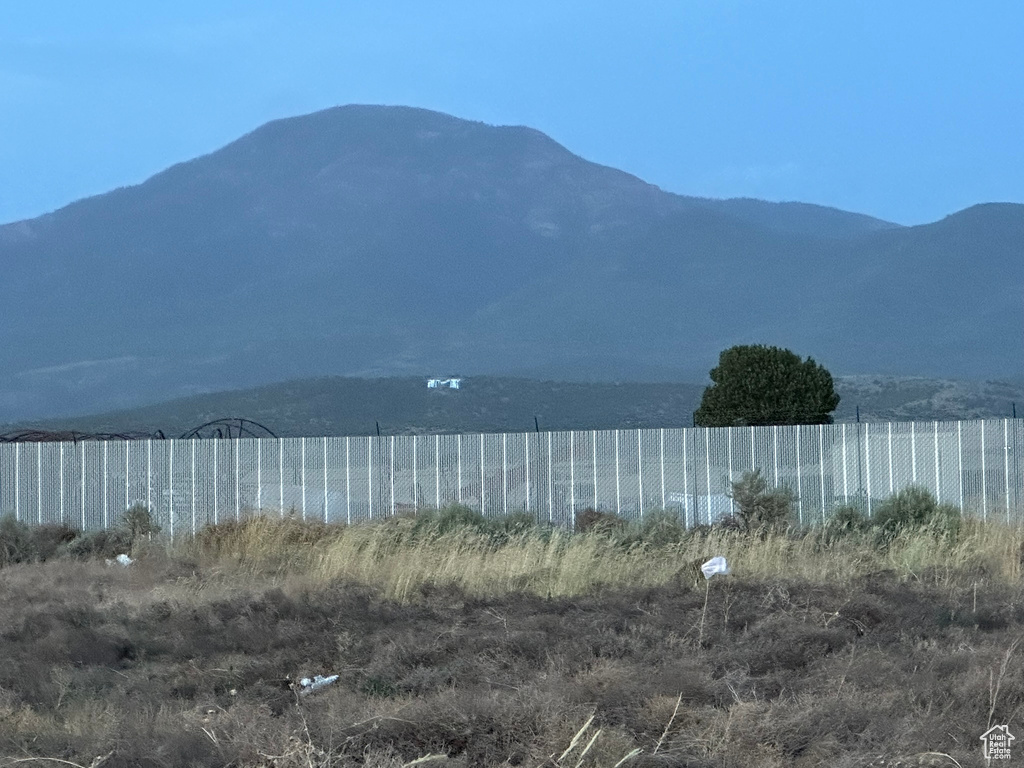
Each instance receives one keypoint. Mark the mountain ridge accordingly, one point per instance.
(393, 241)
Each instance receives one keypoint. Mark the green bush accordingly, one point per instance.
(759, 509)
(138, 521)
(915, 509)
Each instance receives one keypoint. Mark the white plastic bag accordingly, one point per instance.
(308, 686)
(715, 565)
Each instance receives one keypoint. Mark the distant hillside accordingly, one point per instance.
(389, 241)
(340, 406)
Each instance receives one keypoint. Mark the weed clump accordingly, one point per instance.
(592, 520)
(758, 509)
(24, 543)
(915, 510)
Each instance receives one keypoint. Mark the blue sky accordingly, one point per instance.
(904, 110)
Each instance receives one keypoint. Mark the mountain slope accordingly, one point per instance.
(345, 406)
(378, 241)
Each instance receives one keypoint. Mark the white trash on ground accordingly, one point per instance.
(715, 565)
(308, 686)
(122, 560)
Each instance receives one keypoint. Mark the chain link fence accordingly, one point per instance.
(974, 465)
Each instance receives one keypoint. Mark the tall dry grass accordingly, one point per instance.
(401, 558)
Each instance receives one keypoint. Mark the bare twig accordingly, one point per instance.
(995, 681)
(667, 727)
(707, 591)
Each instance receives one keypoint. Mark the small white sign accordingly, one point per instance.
(996, 742)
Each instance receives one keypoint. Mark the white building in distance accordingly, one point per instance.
(438, 383)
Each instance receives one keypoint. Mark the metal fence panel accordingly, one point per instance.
(974, 465)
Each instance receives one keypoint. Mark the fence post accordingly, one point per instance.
(483, 484)
(60, 473)
(17, 482)
(325, 479)
(867, 458)
(572, 479)
(348, 485)
(593, 448)
(170, 487)
(193, 486)
(1006, 465)
(890, 460)
(149, 475)
(662, 449)
(846, 487)
(106, 510)
(821, 466)
(775, 452)
(81, 471)
(728, 432)
(707, 467)
(913, 453)
(237, 446)
(216, 485)
(618, 497)
(799, 490)
(960, 463)
(550, 506)
(526, 439)
(259, 476)
(686, 488)
(984, 486)
(640, 469)
(39, 482)
(302, 475)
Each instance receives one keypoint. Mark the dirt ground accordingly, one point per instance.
(164, 663)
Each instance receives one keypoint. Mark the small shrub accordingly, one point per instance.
(51, 539)
(845, 520)
(17, 544)
(758, 508)
(107, 543)
(591, 519)
(915, 509)
(138, 521)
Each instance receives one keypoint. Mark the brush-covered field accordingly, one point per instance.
(460, 641)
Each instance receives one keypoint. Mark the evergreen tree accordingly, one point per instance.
(758, 385)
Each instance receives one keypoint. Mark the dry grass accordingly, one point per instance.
(400, 562)
(482, 645)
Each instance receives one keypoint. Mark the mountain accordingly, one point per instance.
(348, 406)
(389, 241)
